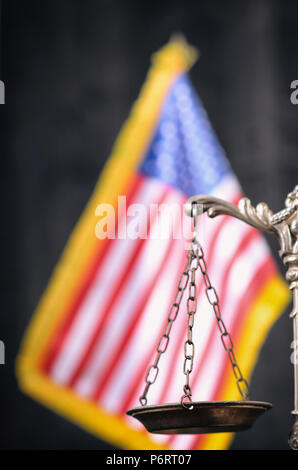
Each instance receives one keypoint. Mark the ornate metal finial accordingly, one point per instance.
(292, 198)
(285, 223)
(291, 204)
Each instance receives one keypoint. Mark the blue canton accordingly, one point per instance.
(185, 152)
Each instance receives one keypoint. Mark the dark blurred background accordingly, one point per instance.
(72, 70)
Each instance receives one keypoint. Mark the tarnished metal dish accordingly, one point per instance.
(204, 417)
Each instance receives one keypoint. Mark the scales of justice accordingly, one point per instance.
(191, 417)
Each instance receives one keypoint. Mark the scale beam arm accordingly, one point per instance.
(259, 217)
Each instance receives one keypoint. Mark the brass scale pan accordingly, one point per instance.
(202, 418)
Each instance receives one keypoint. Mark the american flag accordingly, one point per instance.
(95, 332)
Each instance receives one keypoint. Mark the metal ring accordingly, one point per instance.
(189, 405)
(143, 401)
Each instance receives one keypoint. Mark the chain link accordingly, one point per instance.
(189, 347)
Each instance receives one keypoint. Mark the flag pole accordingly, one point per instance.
(284, 225)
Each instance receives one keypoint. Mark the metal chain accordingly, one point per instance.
(189, 347)
(164, 339)
(225, 337)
